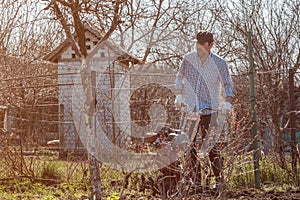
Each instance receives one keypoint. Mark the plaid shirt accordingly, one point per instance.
(203, 85)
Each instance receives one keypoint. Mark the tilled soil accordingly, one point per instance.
(250, 194)
(246, 194)
(254, 194)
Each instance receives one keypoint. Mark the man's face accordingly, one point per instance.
(204, 48)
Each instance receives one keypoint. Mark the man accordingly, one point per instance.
(203, 81)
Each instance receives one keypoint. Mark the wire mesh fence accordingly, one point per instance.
(41, 141)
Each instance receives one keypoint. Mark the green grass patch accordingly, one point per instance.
(51, 178)
(272, 175)
(25, 189)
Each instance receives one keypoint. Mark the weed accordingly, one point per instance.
(114, 196)
(51, 171)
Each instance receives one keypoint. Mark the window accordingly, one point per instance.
(88, 47)
(73, 55)
(102, 54)
(88, 39)
(95, 42)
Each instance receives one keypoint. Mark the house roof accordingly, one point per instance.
(124, 57)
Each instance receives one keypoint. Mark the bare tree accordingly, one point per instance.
(275, 30)
(28, 99)
(72, 14)
(26, 30)
(162, 31)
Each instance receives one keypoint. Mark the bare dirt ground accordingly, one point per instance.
(248, 194)
(251, 194)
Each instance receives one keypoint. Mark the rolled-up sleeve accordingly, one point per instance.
(226, 80)
(179, 83)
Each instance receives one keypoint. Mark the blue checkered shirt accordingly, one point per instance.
(203, 85)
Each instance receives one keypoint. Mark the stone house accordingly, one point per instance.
(125, 90)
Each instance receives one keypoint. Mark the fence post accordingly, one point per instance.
(292, 119)
(253, 111)
(61, 130)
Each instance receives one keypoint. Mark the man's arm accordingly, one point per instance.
(227, 83)
(179, 85)
(179, 82)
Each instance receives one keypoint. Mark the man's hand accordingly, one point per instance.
(227, 106)
(178, 101)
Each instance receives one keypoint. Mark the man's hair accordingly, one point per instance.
(204, 36)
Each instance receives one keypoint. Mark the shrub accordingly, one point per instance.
(51, 171)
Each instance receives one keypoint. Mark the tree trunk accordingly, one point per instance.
(90, 129)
